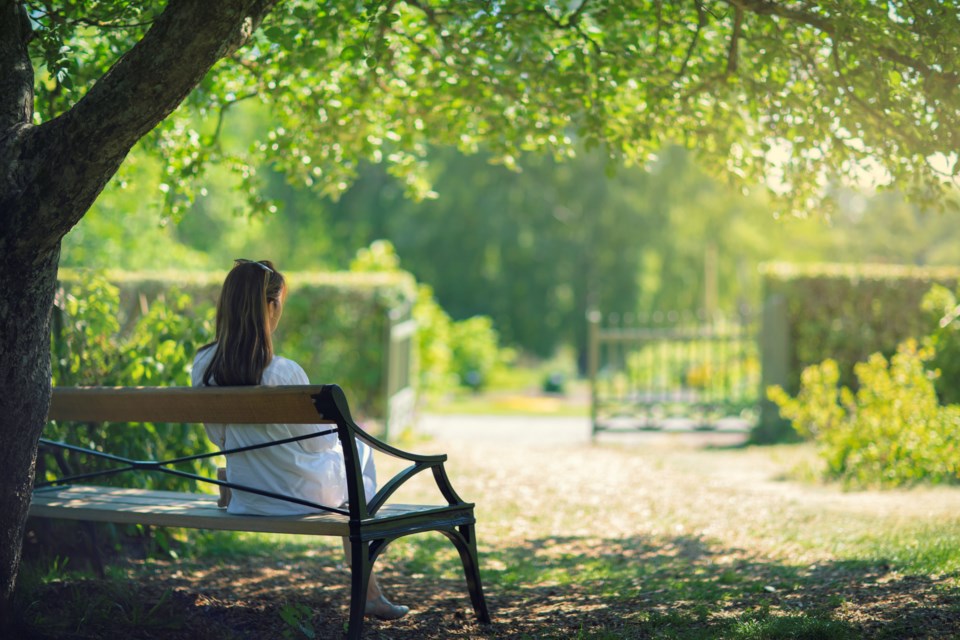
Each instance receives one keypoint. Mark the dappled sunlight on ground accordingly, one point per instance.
(659, 537)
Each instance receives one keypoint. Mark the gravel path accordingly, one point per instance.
(550, 431)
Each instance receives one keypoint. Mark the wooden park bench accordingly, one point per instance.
(369, 526)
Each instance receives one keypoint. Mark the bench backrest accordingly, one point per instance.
(232, 405)
(302, 404)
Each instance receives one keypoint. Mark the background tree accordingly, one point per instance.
(825, 84)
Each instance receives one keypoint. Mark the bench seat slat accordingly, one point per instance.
(190, 510)
(231, 405)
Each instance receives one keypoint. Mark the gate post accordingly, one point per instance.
(398, 384)
(594, 318)
(774, 367)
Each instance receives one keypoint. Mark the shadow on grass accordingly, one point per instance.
(558, 587)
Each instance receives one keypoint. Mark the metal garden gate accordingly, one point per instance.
(671, 371)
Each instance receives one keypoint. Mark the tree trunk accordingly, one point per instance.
(50, 175)
(25, 305)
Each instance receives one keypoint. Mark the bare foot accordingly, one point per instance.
(384, 609)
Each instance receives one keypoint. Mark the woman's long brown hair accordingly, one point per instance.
(243, 345)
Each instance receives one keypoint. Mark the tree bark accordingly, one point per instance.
(25, 301)
(50, 175)
(24, 396)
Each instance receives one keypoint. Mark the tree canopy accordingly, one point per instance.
(794, 95)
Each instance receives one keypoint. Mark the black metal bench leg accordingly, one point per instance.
(360, 568)
(465, 540)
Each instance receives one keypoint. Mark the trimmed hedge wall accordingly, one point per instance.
(848, 312)
(334, 324)
(838, 311)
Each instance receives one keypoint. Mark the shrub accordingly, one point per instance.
(892, 431)
(474, 344)
(449, 352)
(334, 326)
(434, 356)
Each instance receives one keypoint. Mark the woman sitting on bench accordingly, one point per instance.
(250, 306)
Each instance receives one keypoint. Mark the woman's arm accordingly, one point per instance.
(216, 432)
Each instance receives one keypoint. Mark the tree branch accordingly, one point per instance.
(701, 23)
(48, 12)
(735, 40)
(574, 17)
(214, 140)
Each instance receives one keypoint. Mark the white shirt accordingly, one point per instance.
(311, 469)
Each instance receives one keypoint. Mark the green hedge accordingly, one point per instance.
(334, 324)
(848, 312)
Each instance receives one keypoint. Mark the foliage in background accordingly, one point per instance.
(126, 230)
(449, 353)
(535, 249)
(848, 312)
(335, 324)
(93, 343)
(532, 249)
(434, 355)
(891, 431)
(476, 352)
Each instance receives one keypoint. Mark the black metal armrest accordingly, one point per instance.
(420, 462)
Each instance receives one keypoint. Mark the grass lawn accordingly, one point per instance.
(653, 537)
(514, 392)
(508, 403)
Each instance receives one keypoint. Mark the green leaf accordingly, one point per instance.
(275, 34)
(63, 77)
(351, 52)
